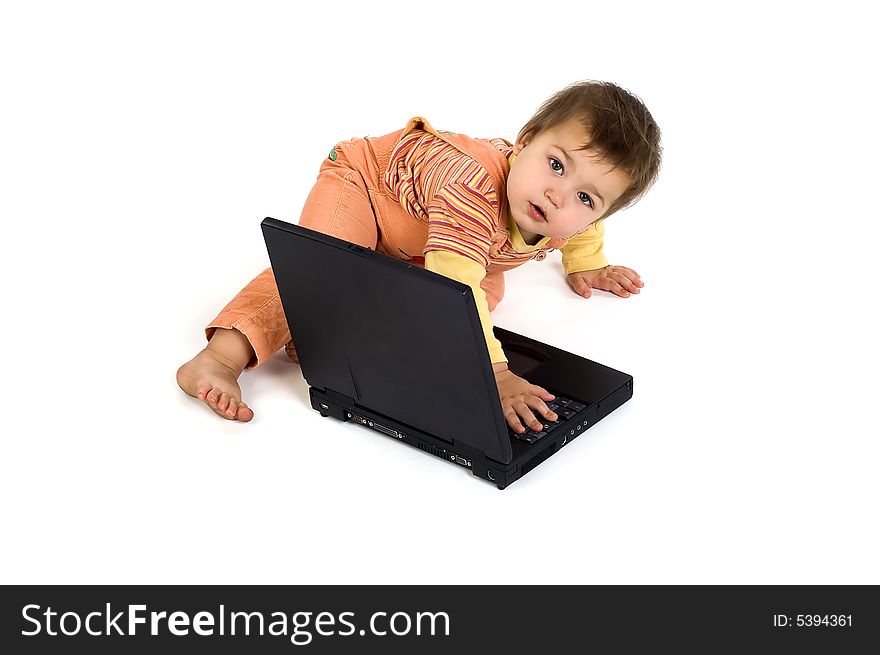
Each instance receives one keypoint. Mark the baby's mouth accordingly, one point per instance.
(536, 213)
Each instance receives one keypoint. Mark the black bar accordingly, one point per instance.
(838, 619)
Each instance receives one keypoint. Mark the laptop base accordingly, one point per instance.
(526, 456)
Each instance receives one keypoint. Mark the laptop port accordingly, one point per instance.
(460, 460)
(381, 428)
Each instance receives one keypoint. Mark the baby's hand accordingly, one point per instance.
(619, 280)
(519, 398)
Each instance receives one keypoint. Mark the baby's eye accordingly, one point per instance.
(554, 163)
(584, 198)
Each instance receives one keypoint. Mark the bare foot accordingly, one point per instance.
(211, 377)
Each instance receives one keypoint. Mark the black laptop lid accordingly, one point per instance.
(395, 338)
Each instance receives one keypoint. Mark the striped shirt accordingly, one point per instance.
(446, 181)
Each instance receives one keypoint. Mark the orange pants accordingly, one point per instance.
(349, 201)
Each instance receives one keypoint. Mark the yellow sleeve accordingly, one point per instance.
(584, 251)
(470, 273)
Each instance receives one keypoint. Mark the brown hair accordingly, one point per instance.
(620, 130)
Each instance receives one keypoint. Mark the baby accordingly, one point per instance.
(468, 209)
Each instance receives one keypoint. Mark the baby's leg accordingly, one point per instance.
(245, 333)
(252, 327)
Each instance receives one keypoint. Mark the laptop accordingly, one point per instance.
(400, 350)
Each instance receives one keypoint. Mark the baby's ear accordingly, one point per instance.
(521, 142)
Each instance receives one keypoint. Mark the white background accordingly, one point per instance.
(143, 143)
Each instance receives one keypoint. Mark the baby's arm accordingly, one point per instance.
(470, 273)
(518, 397)
(587, 268)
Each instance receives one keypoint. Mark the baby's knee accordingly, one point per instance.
(290, 349)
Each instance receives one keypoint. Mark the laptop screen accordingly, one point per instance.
(394, 338)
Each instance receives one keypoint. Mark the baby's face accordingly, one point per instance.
(556, 190)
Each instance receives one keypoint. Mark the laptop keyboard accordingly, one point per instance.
(566, 409)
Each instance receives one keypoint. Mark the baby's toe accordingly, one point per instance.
(245, 413)
(223, 403)
(213, 397)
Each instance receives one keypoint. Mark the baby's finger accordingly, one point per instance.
(541, 393)
(538, 404)
(513, 420)
(624, 281)
(628, 270)
(610, 284)
(528, 417)
(632, 275)
(579, 286)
